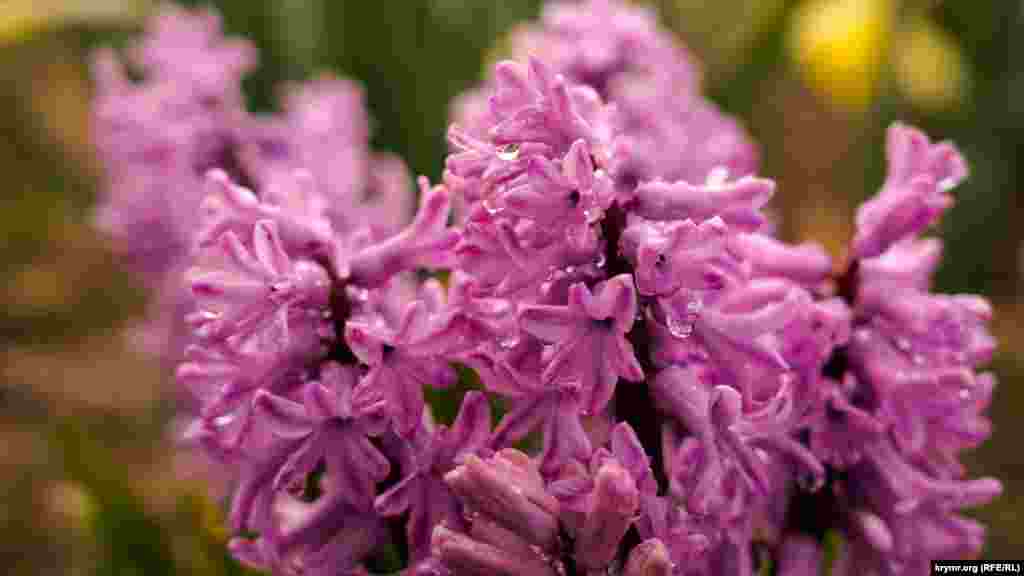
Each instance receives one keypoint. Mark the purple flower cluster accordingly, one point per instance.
(681, 392)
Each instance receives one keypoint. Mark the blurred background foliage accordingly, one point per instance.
(90, 483)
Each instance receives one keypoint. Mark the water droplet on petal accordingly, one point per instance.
(903, 344)
(492, 205)
(509, 343)
(917, 359)
(570, 270)
(359, 294)
(717, 176)
(508, 152)
(601, 261)
(906, 506)
(224, 420)
(679, 327)
(947, 183)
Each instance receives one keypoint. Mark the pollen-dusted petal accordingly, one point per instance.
(649, 558)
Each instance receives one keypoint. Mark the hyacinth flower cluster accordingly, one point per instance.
(679, 391)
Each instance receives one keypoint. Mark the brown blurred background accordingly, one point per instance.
(90, 484)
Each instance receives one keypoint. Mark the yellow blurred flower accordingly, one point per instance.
(839, 46)
(929, 67)
(39, 288)
(20, 18)
(70, 502)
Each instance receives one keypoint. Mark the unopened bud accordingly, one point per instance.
(468, 557)
(615, 502)
(508, 489)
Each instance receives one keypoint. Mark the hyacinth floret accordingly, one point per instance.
(678, 391)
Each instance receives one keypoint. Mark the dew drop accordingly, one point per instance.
(570, 270)
(509, 343)
(492, 205)
(224, 420)
(717, 176)
(360, 294)
(508, 152)
(947, 183)
(917, 359)
(679, 327)
(903, 344)
(601, 261)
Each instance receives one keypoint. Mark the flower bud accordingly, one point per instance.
(508, 489)
(615, 502)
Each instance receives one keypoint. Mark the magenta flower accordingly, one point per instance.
(588, 340)
(681, 255)
(333, 422)
(244, 287)
(738, 202)
(424, 243)
(572, 196)
(598, 221)
(405, 358)
(433, 452)
(915, 192)
(553, 409)
(188, 45)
